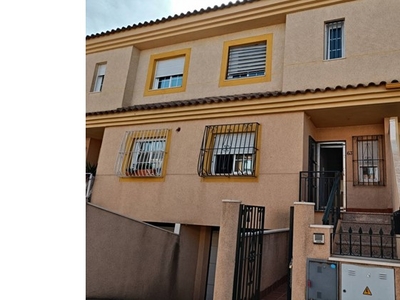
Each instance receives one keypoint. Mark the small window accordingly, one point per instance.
(100, 72)
(167, 72)
(246, 61)
(368, 160)
(142, 154)
(229, 150)
(334, 40)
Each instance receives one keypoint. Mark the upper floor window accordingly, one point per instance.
(334, 40)
(142, 153)
(229, 150)
(368, 160)
(98, 80)
(167, 72)
(246, 61)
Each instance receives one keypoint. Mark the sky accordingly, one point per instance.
(42, 218)
(103, 15)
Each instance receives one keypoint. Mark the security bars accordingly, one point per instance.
(142, 153)
(368, 160)
(334, 40)
(229, 150)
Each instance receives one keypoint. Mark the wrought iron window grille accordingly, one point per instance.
(334, 40)
(229, 150)
(142, 153)
(368, 160)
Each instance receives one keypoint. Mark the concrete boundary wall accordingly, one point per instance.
(274, 258)
(275, 262)
(304, 248)
(128, 259)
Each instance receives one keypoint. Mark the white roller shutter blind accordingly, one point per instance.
(170, 67)
(234, 143)
(247, 59)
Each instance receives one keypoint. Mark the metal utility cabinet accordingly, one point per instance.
(322, 280)
(369, 283)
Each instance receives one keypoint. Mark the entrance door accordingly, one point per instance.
(330, 158)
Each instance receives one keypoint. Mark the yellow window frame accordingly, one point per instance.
(149, 91)
(126, 161)
(268, 38)
(209, 146)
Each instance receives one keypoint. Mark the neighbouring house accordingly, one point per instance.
(288, 105)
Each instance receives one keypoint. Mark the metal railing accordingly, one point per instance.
(332, 209)
(316, 186)
(89, 186)
(371, 244)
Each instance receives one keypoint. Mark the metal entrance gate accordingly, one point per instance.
(249, 248)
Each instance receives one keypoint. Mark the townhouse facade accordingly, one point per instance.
(245, 101)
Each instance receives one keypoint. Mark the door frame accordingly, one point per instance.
(335, 144)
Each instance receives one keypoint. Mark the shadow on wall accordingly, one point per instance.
(128, 259)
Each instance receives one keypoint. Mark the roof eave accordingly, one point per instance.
(202, 24)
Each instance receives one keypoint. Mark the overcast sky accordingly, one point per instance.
(103, 15)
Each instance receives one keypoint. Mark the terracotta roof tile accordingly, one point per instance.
(170, 18)
(238, 97)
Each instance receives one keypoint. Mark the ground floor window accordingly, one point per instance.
(229, 150)
(368, 160)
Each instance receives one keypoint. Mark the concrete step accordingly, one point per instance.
(367, 221)
(374, 218)
(368, 243)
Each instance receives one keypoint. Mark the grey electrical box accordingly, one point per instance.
(367, 282)
(322, 280)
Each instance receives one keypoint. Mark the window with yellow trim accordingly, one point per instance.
(142, 153)
(246, 61)
(229, 150)
(168, 72)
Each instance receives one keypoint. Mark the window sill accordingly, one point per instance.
(245, 80)
(333, 59)
(165, 91)
(229, 179)
(141, 179)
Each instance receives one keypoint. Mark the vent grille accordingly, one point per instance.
(383, 276)
(352, 272)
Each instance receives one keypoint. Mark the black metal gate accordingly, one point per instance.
(249, 249)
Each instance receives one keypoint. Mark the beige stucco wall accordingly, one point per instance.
(303, 246)
(309, 130)
(119, 77)
(162, 265)
(275, 257)
(184, 197)
(393, 156)
(372, 45)
(364, 197)
(205, 66)
(92, 150)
